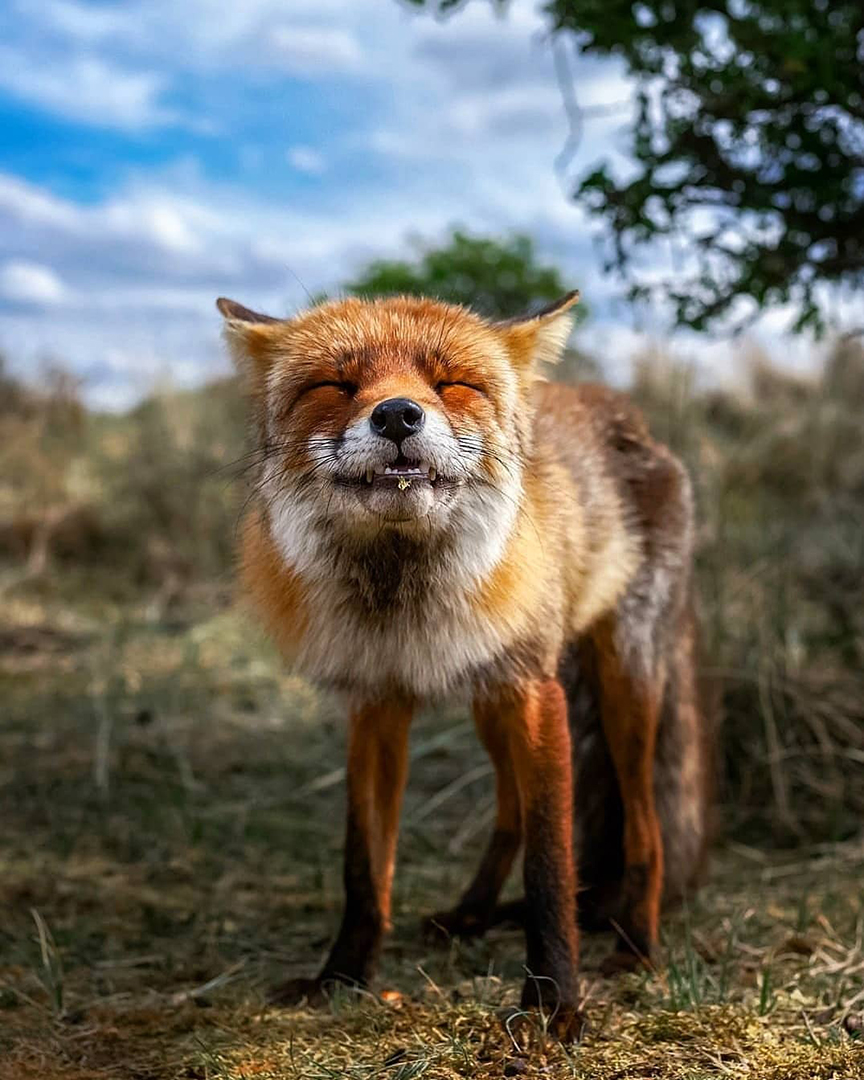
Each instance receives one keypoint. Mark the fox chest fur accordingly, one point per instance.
(401, 616)
(491, 602)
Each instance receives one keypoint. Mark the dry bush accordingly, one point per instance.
(144, 498)
(166, 477)
(779, 471)
(43, 504)
(150, 501)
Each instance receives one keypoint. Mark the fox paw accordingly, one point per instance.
(313, 992)
(529, 1028)
(298, 992)
(623, 960)
(440, 928)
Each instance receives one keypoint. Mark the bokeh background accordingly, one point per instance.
(171, 795)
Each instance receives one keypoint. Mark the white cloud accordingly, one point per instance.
(28, 205)
(30, 283)
(80, 22)
(308, 38)
(87, 89)
(306, 160)
(313, 50)
(142, 228)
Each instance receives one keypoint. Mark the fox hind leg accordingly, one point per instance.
(477, 909)
(631, 696)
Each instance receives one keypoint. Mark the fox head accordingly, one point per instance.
(395, 415)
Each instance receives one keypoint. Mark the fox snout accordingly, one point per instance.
(397, 419)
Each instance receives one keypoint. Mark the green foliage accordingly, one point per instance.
(497, 278)
(749, 146)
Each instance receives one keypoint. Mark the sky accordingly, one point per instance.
(156, 154)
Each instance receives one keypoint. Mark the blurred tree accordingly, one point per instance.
(499, 278)
(748, 140)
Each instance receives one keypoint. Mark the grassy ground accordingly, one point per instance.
(172, 825)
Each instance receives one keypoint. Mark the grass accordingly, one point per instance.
(172, 826)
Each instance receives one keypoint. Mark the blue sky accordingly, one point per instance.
(157, 153)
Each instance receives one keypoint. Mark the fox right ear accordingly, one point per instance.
(540, 338)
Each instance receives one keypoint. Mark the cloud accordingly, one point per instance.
(30, 283)
(306, 160)
(87, 89)
(304, 38)
(27, 205)
(80, 22)
(312, 50)
(137, 230)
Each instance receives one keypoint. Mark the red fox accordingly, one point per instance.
(434, 518)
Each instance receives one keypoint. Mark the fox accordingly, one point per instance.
(433, 516)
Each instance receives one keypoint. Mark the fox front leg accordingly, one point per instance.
(534, 717)
(377, 769)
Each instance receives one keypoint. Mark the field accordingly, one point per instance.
(172, 799)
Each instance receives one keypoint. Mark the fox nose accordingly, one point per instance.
(397, 418)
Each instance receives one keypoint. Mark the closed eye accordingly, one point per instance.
(458, 382)
(349, 388)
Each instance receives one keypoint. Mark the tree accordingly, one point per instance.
(748, 140)
(498, 278)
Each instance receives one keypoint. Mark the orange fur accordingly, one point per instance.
(539, 554)
(377, 769)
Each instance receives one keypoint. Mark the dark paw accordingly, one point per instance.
(312, 992)
(529, 1027)
(623, 960)
(440, 929)
(299, 992)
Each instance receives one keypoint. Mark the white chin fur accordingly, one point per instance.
(452, 635)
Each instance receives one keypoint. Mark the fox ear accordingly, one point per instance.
(236, 313)
(249, 334)
(540, 338)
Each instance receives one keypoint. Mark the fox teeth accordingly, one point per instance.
(414, 471)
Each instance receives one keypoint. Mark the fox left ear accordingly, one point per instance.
(249, 335)
(235, 312)
(540, 338)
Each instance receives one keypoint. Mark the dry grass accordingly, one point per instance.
(172, 826)
(778, 468)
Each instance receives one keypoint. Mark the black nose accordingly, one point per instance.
(397, 418)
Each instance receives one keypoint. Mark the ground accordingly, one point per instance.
(172, 822)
